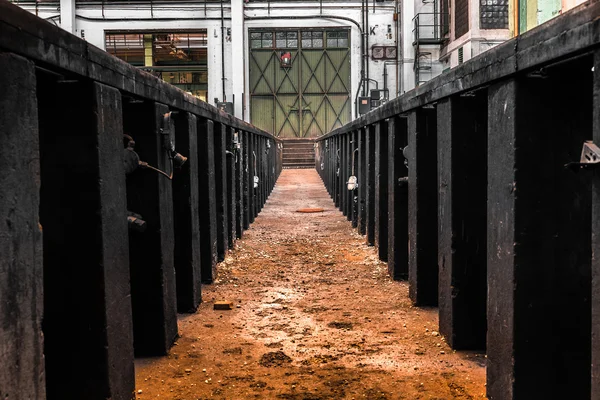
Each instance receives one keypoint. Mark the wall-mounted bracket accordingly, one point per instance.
(590, 157)
(352, 183)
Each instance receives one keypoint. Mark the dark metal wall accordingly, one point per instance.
(490, 214)
(98, 253)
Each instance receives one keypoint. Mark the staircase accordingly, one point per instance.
(298, 153)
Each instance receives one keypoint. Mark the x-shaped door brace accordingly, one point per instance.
(287, 116)
(262, 72)
(313, 75)
(287, 76)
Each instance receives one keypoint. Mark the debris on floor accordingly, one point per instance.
(223, 305)
(321, 319)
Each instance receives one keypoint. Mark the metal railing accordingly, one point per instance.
(430, 28)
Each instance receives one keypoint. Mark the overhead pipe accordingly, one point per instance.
(169, 19)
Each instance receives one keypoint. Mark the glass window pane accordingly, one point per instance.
(267, 35)
(292, 43)
(256, 44)
(292, 35)
(318, 43)
(343, 35)
(280, 43)
(280, 35)
(318, 35)
(267, 44)
(306, 35)
(306, 43)
(331, 42)
(255, 35)
(343, 42)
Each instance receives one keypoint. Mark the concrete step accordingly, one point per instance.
(297, 161)
(298, 155)
(298, 151)
(295, 148)
(292, 166)
(292, 144)
(310, 146)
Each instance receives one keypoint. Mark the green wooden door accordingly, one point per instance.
(309, 96)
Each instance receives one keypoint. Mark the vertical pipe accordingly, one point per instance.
(224, 95)
(367, 33)
(398, 53)
(365, 51)
(400, 28)
(385, 74)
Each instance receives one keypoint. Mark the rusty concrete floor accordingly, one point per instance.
(315, 316)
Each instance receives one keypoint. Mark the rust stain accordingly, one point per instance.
(310, 210)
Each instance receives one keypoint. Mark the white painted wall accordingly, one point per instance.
(476, 40)
(91, 22)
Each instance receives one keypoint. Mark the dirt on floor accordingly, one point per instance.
(315, 316)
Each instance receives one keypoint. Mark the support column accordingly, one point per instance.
(381, 194)
(256, 169)
(354, 171)
(501, 240)
(540, 236)
(596, 238)
(370, 182)
(239, 185)
(329, 166)
(342, 175)
(231, 187)
(265, 172)
(207, 200)
(151, 253)
(261, 181)
(267, 167)
(67, 15)
(21, 284)
(336, 170)
(238, 52)
(258, 172)
(362, 182)
(221, 190)
(422, 208)
(397, 200)
(252, 173)
(187, 216)
(247, 176)
(462, 219)
(347, 210)
(86, 248)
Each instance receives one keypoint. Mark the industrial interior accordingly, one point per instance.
(302, 200)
